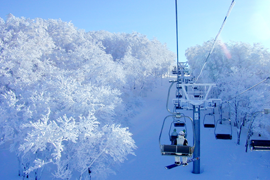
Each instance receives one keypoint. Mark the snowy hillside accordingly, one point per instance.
(220, 159)
(67, 95)
(70, 101)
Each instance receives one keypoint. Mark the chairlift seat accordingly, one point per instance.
(176, 150)
(260, 145)
(224, 136)
(209, 125)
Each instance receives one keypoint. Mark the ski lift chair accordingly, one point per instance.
(223, 136)
(178, 94)
(256, 144)
(178, 86)
(177, 106)
(174, 70)
(259, 145)
(209, 125)
(176, 150)
(198, 94)
(178, 122)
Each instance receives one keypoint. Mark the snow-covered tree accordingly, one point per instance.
(235, 67)
(66, 94)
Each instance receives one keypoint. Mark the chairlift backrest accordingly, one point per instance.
(179, 124)
(224, 136)
(209, 125)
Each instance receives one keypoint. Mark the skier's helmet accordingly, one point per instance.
(181, 133)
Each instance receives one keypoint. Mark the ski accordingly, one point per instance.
(181, 163)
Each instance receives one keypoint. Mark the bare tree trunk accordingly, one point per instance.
(239, 130)
(235, 111)
(239, 134)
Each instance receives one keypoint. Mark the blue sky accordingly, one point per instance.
(199, 20)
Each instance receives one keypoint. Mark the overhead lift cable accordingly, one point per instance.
(249, 88)
(214, 43)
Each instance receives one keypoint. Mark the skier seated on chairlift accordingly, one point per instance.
(173, 137)
(182, 141)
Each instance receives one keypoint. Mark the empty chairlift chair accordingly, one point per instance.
(178, 94)
(259, 145)
(209, 123)
(174, 71)
(223, 129)
(256, 144)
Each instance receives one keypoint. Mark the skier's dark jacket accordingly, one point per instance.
(185, 142)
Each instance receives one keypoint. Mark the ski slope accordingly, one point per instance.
(220, 159)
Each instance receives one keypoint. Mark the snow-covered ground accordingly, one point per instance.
(220, 159)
